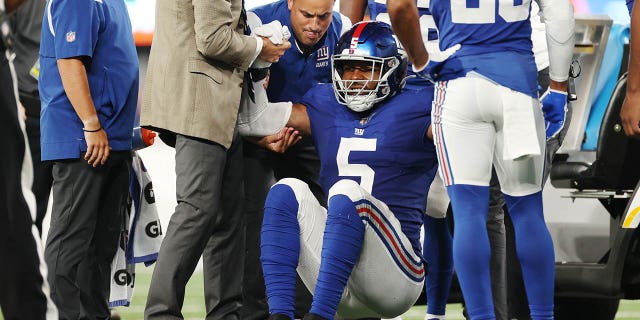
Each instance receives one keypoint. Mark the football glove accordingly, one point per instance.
(554, 109)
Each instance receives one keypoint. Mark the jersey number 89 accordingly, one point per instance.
(485, 11)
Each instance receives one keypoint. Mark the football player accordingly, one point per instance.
(486, 108)
(361, 255)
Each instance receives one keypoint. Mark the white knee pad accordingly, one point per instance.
(348, 188)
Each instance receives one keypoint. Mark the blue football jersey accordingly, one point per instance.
(378, 11)
(297, 71)
(496, 41)
(388, 152)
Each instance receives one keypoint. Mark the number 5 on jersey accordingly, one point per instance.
(346, 169)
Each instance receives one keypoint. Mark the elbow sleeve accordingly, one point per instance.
(560, 24)
(257, 116)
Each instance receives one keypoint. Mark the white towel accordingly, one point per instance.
(519, 126)
(140, 237)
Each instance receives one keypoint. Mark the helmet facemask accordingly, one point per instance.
(358, 95)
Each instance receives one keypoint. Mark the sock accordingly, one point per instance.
(280, 249)
(343, 236)
(535, 252)
(471, 251)
(430, 316)
(438, 252)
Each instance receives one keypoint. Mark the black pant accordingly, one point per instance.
(83, 238)
(22, 295)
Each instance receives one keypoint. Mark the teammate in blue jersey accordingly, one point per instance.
(486, 109)
(361, 256)
(315, 28)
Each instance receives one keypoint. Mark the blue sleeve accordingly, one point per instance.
(76, 25)
(630, 5)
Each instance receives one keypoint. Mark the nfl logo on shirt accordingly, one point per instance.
(322, 59)
(71, 36)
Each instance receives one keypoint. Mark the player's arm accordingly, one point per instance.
(353, 9)
(299, 119)
(630, 113)
(257, 117)
(560, 26)
(297, 125)
(406, 25)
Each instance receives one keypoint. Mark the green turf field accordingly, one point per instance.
(194, 302)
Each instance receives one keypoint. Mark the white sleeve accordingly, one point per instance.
(539, 38)
(560, 24)
(261, 117)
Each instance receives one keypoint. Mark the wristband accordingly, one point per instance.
(96, 130)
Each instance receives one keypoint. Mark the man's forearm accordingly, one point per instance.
(76, 86)
(354, 9)
(406, 25)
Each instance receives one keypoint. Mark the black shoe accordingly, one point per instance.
(278, 316)
(313, 316)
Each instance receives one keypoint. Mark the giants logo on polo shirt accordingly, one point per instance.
(322, 59)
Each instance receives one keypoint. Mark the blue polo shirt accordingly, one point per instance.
(98, 32)
(296, 73)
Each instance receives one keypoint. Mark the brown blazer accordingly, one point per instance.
(196, 69)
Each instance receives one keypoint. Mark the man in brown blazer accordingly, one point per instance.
(192, 92)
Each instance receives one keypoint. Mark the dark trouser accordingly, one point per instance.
(262, 169)
(497, 239)
(42, 178)
(207, 221)
(88, 205)
(23, 289)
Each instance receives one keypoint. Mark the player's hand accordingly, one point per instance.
(280, 141)
(554, 109)
(97, 147)
(423, 73)
(435, 55)
(630, 115)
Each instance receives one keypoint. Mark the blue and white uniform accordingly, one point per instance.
(375, 170)
(378, 11)
(77, 29)
(486, 108)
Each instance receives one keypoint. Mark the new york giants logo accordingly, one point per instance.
(323, 53)
(322, 57)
